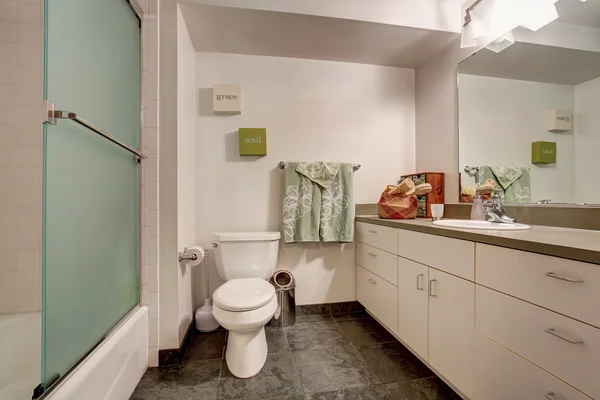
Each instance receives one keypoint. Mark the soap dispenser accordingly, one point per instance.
(478, 209)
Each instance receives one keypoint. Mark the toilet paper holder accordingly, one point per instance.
(184, 256)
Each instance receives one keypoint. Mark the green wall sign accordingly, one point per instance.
(543, 152)
(253, 141)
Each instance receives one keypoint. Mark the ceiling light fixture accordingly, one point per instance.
(474, 32)
(537, 13)
(502, 43)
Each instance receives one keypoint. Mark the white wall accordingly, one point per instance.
(177, 213)
(499, 118)
(587, 141)
(186, 167)
(313, 110)
(21, 71)
(169, 33)
(437, 116)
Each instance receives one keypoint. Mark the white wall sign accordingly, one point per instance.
(227, 99)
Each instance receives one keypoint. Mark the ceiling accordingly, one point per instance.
(256, 32)
(536, 63)
(576, 12)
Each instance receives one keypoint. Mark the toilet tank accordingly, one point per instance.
(246, 254)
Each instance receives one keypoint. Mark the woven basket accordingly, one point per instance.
(393, 204)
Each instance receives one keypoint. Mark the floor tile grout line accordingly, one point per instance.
(294, 362)
(298, 375)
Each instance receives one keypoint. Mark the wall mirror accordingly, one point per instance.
(529, 112)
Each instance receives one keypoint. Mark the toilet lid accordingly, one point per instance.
(243, 294)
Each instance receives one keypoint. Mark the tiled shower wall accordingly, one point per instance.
(149, 272)
(21, 60)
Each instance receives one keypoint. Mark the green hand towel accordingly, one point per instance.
(515, 182)
(317, 204)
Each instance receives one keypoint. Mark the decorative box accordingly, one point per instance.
(543, 152)
(436, 196)
(253, 141)
(560, 121)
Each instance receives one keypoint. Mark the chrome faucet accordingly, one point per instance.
(494, 210)
(544, 201)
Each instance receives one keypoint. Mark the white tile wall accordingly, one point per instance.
(21, 93)
(150, 206)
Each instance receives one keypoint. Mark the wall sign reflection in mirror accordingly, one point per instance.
(544, 87)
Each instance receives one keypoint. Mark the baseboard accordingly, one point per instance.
(176, 356)
(330, 308)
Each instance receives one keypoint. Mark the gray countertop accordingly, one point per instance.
(575, 244)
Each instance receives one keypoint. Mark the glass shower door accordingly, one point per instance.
(91, 202)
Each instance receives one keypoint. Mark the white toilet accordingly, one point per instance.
(246, 301)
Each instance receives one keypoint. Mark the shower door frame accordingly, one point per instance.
(39, 392)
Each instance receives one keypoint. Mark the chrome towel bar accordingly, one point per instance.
(282, 164)
(53, 115)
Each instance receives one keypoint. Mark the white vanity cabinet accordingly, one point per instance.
(433, 304)
(493, 322)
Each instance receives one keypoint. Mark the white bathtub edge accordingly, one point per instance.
(114, 368)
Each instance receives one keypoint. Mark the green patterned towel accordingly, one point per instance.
(515, 182)
(317, 203)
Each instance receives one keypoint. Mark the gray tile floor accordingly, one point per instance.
(322, 357)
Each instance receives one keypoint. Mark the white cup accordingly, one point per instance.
(437, 211)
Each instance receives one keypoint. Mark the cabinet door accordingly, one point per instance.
(451, 328)
(412, 305)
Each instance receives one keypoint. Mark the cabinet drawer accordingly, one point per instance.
(569, 287)
(382, 237)
(564, 347)
(377, 261)
(454, 256)
(503, 375)
(378, 296)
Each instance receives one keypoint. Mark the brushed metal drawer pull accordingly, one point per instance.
(563, 278)
(373, 254)
(372, 280)
(550, 396)
(430, 288)
(372, 231)
(418, 281)
(553, 332)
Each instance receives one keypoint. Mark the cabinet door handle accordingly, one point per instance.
(553, 332)
(372, 280)
(373, 254)
(563, 278)
(431, 294)
(550, 396)
(372, 231)
(419, 287)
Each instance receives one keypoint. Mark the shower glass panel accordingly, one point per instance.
(91, 201)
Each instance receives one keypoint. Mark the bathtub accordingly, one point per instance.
(114, 368)
(20, 354)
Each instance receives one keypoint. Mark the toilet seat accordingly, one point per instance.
(245, 294)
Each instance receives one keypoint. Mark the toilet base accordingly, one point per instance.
(246, 352)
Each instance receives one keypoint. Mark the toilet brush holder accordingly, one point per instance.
(205, 320)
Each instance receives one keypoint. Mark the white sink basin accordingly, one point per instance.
(481, 225)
